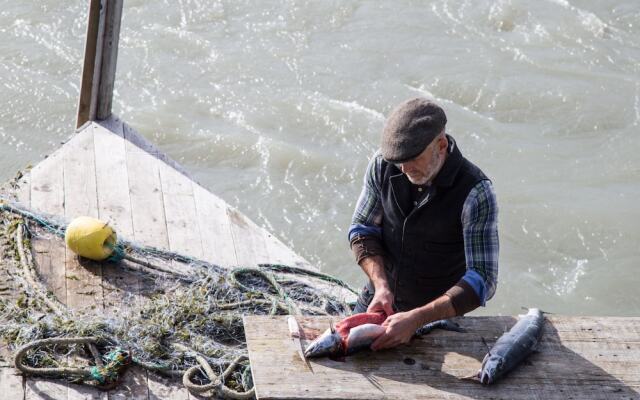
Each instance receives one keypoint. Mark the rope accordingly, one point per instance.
(105, 375)
(282, 297)
(315, 274)
(216, 384)
(53, 372)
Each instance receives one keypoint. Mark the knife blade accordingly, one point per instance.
(296, 338)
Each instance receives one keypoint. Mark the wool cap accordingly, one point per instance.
(410, 128)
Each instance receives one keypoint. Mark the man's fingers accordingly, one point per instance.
(373, 307)
(383, 342)
(379, 342)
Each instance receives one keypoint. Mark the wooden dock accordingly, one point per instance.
(579, 358)
(109, 171)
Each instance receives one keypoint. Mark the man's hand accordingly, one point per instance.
(400, 329)
(382, 301)
(382, 298)
(402, 326)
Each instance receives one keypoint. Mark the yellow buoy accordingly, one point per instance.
(90, 238)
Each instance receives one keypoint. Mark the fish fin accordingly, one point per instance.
(486, 345)
(542, 311)
(536, 347)
(456, 327)
(472, 377)
(331, 327)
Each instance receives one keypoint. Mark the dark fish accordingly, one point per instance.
(444, 324)
(358, 331)
(512, 347)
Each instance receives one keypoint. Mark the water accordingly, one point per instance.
(289, 97)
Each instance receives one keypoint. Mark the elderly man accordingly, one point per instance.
(425, 226)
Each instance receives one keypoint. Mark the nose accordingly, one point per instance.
(404, 167)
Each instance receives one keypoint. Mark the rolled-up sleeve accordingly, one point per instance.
(365, 231)
(481, 244)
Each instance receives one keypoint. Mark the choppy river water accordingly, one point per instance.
(276, 106)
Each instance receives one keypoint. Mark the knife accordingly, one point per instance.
(296, 339)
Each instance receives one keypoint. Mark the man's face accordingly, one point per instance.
(425, 166)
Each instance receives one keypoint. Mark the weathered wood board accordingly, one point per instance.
(578, 358)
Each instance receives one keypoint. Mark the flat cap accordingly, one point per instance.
(410, 128)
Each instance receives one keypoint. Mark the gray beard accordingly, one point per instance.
(434, 167)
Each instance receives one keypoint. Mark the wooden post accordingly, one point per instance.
(100, 57)
(109, 58)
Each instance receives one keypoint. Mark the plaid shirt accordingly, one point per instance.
(479, 227)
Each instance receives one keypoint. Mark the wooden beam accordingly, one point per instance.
(90, 68)
(100, 58)
(109, 58)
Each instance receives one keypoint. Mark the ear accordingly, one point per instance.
(443, 143)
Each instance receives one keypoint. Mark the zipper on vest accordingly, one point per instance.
(399, 268)
(395, 199)
(404, 226)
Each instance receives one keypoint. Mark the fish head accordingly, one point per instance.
(327, 344)
(491, 369)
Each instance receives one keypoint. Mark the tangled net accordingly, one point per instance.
(190, 324)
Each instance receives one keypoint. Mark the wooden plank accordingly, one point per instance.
(141, 142)
(83, 392)
(112, 181)
(121, 287)
(150, 228)
(249, 242)
(109, 58)
(47, 196)
(47, 185)
(279, 253)
(180, 210)
(91, 64)
(163, 388)
(573, 362)
(83, 277)
(49, 255)
(23, 193)
(134, 385)
(215, 228)
(11, 384)
(147, 205)
(255, 245)
(45, 389)
(113, 124)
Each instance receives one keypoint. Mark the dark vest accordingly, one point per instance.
(425, 244)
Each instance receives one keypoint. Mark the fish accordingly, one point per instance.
(443, 324)
(512, 347)
(350, 335)
(357, 332)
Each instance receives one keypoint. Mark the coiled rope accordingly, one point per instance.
(216, 386)
(104, 375)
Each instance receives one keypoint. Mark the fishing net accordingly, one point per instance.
(189, 321)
